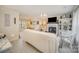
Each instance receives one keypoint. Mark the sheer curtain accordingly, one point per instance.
(75, 24)
(77, 29)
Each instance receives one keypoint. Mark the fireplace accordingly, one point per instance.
(52, 29)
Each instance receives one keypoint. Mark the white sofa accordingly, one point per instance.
(45, 42)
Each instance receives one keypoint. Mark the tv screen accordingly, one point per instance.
(53, 19)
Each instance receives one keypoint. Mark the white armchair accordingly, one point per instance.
(4, 43)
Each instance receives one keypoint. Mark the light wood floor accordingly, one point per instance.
(20, 46)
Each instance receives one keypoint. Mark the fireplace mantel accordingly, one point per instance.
(53, 25)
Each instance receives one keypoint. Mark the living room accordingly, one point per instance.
(45, 28)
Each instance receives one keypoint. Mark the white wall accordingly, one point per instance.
(12, 31)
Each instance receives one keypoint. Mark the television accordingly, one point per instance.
(52, 19)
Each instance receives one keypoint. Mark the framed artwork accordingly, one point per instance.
(14, 20)
(37, 22)
(7, 20)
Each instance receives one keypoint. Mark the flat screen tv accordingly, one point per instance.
(52, 19)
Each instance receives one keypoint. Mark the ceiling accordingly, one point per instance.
(36, 10)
